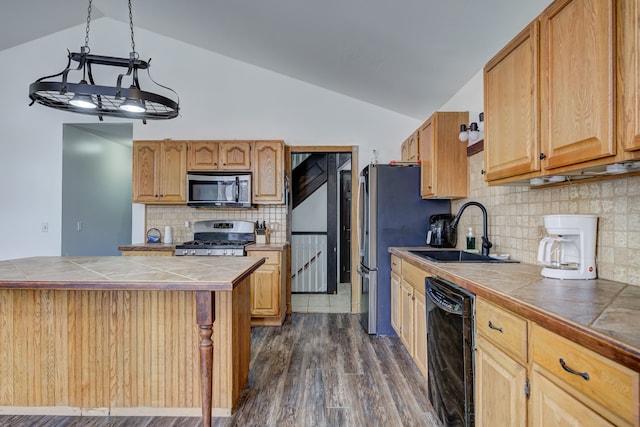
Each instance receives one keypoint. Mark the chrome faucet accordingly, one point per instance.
(486, 244)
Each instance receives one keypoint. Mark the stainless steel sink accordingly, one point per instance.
(457, 256)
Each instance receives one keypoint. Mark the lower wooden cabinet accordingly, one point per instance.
(407, 316)
(396, 294)
(500, 398)
(268, 289)
(553, 406)
(568, 378)
(409, 309)
(501, 360)
(420, 331)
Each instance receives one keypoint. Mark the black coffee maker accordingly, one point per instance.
(440, 234)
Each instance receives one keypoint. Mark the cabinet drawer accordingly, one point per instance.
(503, 328)
(609, 383)
(272, 257)
(396, 265)
(414, 276)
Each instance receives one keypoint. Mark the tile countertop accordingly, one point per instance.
(602, 315)
(127, 273)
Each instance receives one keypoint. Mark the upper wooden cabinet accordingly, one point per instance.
(410, 151)
(219, 155)
(159, 172)
(235, 155)
(562, 98)
(512, 141)
(268, 172)
(443, 158)
(203, 156)
(628, 15)
(578, 81)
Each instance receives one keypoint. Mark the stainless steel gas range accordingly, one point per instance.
(218, 238)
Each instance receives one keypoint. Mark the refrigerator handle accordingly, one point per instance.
(359, 219)
(361, 271)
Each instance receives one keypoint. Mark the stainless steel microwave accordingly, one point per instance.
(219, 189)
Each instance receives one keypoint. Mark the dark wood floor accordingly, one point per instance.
(316, 370)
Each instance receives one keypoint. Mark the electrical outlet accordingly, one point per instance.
(44, 227)
(79, 225)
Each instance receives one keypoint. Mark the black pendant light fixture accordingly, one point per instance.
(86, 97)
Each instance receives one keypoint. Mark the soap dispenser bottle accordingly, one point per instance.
(471, 240)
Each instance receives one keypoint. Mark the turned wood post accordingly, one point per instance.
(205, 316)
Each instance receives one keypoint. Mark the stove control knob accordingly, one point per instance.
(184, 252)
(193, 252)
(209, 251)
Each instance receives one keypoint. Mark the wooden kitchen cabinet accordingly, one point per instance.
(407, 316)
(204, 156)
(396, 290)
(235, 155)
(443, 158)
(268, 289)
(512, 139)
(220, 155)
(562, 97)
(410, 149)
(500, 371)
(268, 172)
(159, 172)
(597, 392)
(628, 97)
(420, 330)
(578, 81)
(409, 309)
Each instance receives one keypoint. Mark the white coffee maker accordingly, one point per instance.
(569, 249)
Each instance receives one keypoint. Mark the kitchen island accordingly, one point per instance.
(124, 335)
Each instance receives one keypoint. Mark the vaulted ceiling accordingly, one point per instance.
(408, 56)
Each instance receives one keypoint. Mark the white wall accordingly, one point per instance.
(220, 98)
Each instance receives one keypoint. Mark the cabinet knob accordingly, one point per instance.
(542, 156)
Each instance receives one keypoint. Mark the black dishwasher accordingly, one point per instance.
(450, 358)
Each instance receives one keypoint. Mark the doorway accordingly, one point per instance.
(320, 237)
(96, 188)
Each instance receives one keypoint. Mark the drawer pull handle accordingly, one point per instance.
(571, 371)
(492, 326)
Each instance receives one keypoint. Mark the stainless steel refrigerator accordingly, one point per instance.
(391, 212)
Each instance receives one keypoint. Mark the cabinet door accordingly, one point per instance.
(173, 186)
(420, 331)
(268, 176)
(265, 291)
(428, 162)
(404, 151)
(629, 75)
(577, 84)
(146, 162)
(396, 290)
(499, 387)
(235, 155)
(203, 155)
(406, 317)
(512, 141)
(412, 149)
(552, 406)
(443, 158)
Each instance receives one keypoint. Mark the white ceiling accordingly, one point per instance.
(408, 56)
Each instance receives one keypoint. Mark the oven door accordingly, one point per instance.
(219, 189)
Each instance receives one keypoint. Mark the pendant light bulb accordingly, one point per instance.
(83, 100)
(133, 106)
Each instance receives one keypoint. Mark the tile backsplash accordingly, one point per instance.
(175, 216)
(515, 217)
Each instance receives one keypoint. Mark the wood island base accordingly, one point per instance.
(123, 352)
